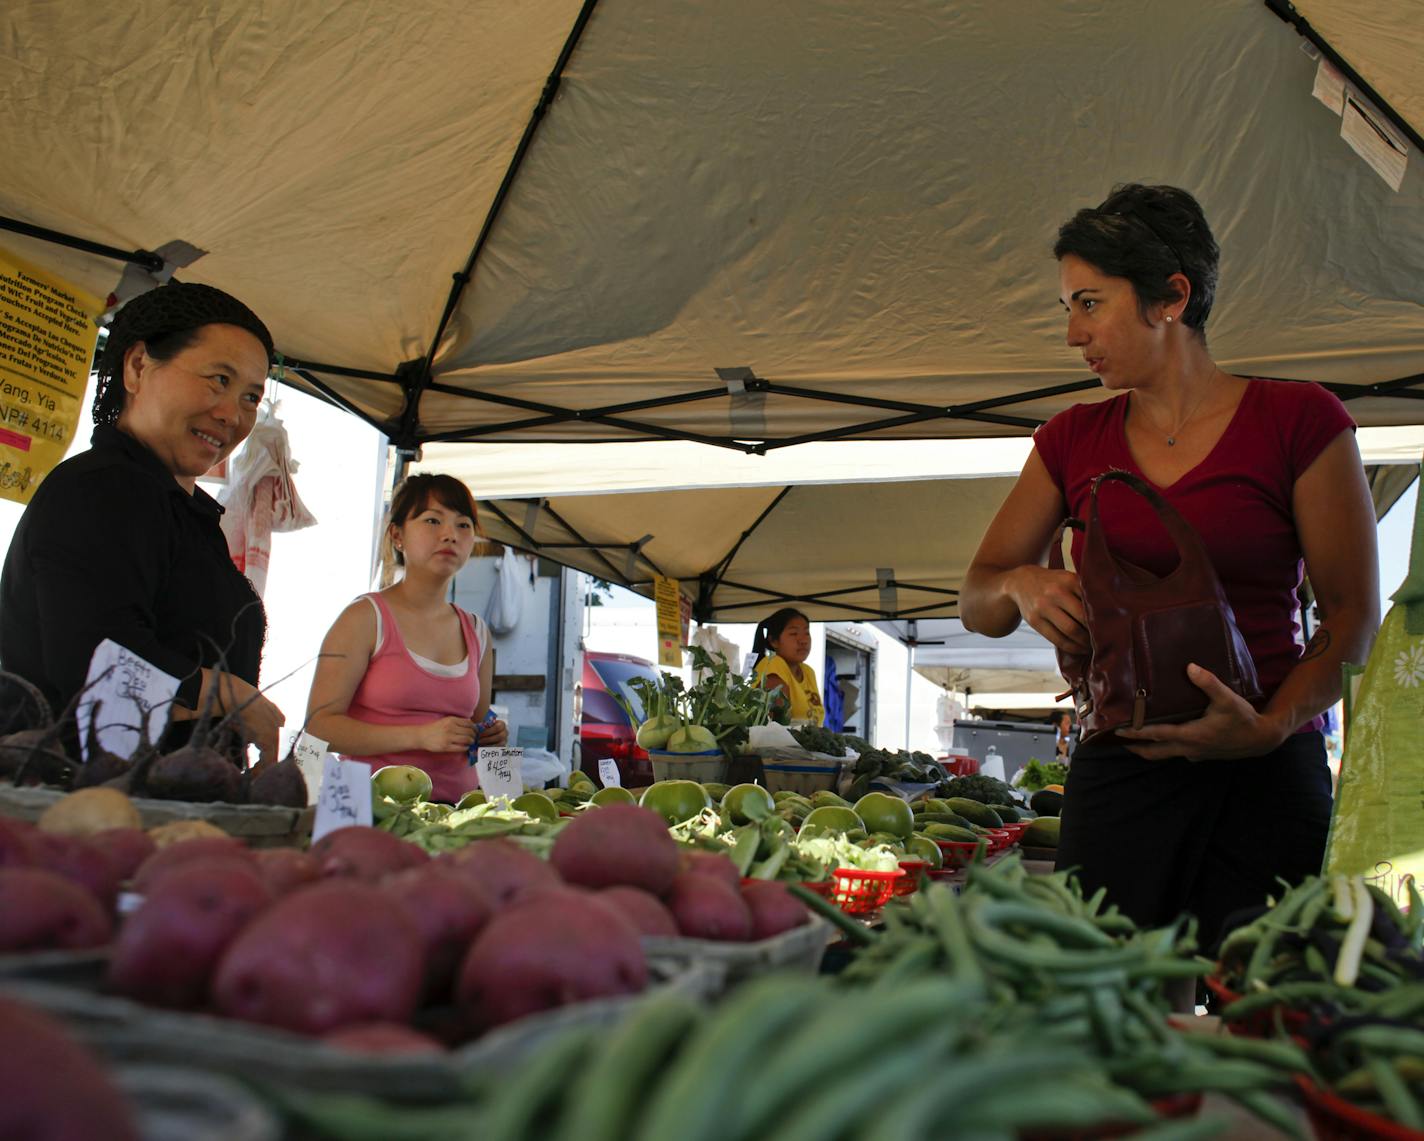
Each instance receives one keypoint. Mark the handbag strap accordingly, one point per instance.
(1055, 549)
(1189, 545)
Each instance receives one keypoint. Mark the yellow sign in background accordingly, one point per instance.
(47, 336)
(674, 612)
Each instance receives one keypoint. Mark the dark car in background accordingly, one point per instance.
(604, 727)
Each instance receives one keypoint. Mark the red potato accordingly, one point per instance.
(329, 955)
(43, 911)
(774, 909)
(167, 950)
(362, 853)
(641, 908)
(125, 848)
(75, 859)
(202, 849)
(509, 873)
(710, 864)
(449, 909)
(556, 948)
(618, 844)
(706, 908)
(14, 852)
(55, 1090)
(284, 870)
(383, 1038)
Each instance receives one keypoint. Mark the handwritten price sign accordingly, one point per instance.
(608, 773)
(345, 796)
(501, 772)
(125, 689)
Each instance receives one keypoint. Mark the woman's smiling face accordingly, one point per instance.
(193, 409)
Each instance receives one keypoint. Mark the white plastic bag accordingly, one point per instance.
(540, 766)
(507, 599)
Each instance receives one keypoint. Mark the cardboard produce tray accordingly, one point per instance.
(257, 825)
(71, 988)
(800, 949)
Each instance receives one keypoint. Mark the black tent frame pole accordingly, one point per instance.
(144, 259)
(1287, 12)
(410, 420)
(335, 398)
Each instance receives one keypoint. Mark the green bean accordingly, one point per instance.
(1395, 1094)
(1277, 921)
(1285, 995)
(1269, 1109)
(1386, 1039)
(1061, 928)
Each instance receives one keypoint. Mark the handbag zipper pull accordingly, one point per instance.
(1139, 708)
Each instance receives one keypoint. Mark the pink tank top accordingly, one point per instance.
(396, 690)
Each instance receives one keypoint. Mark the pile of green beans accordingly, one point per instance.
(1323, 949)
(1374, 1056)
(1065, 970)
(784, 1058)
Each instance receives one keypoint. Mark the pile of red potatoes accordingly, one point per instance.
(365, 940)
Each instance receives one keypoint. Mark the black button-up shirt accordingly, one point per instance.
(111, 547)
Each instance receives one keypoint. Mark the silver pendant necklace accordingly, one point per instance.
(1177, 431)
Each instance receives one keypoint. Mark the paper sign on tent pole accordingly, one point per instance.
(47, 337)
(674, 614)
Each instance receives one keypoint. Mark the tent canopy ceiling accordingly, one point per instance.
(739, 223)
(886, 533)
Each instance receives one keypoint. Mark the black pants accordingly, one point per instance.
(1209, 837)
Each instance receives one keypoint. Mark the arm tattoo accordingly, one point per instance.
(1318, 644)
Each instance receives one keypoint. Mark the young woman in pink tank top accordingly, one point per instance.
(404, 677)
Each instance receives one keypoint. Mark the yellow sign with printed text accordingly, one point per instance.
(47, 337)
(674, 613)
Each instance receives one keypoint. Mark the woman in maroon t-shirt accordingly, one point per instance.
(1269, 475)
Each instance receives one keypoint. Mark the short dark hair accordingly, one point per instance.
(415, 491)
(1146, 234)
(771, 629)
(166, 320)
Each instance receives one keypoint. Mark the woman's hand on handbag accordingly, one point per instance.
(1230, 728)
(1051, 601)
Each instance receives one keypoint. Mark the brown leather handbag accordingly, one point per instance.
(1145, 630)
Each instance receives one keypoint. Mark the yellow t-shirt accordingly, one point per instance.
(804, 693)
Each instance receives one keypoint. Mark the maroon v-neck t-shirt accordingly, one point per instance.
(1238, 499)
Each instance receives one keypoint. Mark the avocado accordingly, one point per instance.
(1046, 803)
(1042, 833)
(974, 812)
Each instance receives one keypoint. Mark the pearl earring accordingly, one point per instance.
(1169, 318)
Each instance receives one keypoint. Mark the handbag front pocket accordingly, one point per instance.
(1166, 641)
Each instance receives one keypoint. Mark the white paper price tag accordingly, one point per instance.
(501, 772)
(310, 750)
(608, 773)
(126, 690)
(345, 796)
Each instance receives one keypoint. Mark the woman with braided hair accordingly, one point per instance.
(119, 542)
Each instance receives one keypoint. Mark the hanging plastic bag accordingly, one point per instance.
(507, 599)
(1378, 827)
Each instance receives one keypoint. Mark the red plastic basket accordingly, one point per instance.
(999, 839)
(1262, 1024)
(1335, 1119)
(909, 883)
(856, 892)
(958, 853)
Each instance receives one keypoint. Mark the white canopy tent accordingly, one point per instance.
(883, 532)
(739, 223)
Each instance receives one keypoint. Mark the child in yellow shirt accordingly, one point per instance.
(787, 635)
